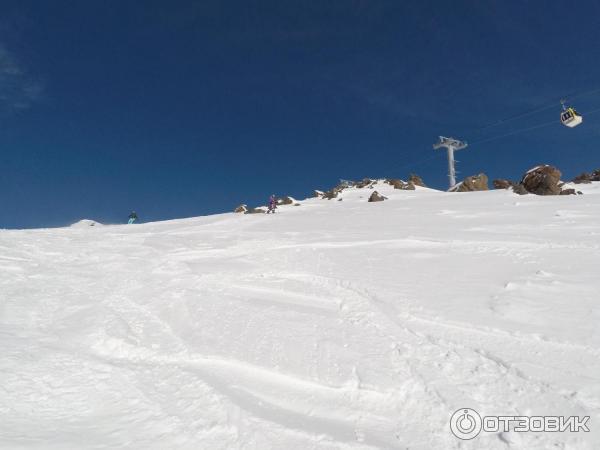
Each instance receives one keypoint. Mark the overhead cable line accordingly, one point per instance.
(537, 110)
(534, 127)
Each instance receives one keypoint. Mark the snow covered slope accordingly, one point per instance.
(330, 325)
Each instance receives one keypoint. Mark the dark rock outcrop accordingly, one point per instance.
(365, 182)
(568, 192)
(519, 189)
(472, 183)
(416, 180)
(376, 197)
(502, 184)
(241, 209)
(584, 178)
(331, 194)
(542, 180)
(255, 211)
(285, 200)
(399, 184)
(587, 177)
(343, 184)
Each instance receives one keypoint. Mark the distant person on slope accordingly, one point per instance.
(132, 217)
(272, 204)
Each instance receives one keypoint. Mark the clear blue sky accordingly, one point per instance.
(184, 108)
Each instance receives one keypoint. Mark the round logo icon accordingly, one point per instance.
(465, 423)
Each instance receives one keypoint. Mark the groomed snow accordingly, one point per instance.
(330, 325)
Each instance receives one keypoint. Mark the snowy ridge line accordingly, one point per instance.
(346, 325)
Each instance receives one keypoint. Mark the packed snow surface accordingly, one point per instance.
(330, 325)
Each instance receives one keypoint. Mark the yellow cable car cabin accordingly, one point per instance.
(570, 118)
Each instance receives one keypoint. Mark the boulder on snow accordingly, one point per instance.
(285, 200)
(399, 184)
(365, 182)
(86, 223)
(255, 211)
(472, 183)
(318, 194)
(241, 209)
(587, 177)
(519, 189)
(376, 197)
(569, 191)
(343, 184)
(542, 180)
(333, 193)
(416, 180)
(501, 183)
(583, 178)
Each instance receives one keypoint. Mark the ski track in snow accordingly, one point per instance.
(333, 325)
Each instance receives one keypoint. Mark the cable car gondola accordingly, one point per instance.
(569, 117)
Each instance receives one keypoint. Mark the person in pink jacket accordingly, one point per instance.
(272, 204)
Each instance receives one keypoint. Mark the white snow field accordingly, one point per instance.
(330, 325)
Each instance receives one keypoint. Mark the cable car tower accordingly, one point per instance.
(451, 145)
